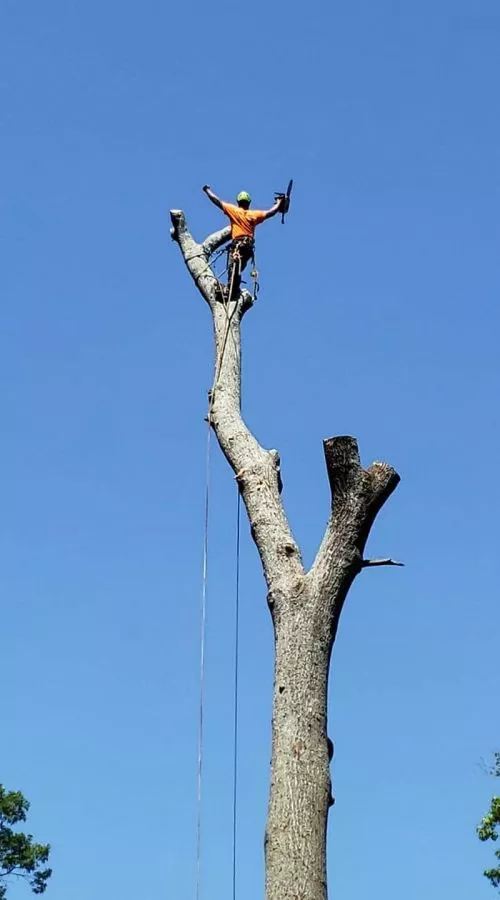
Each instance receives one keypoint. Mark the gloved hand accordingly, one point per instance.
(206, 187)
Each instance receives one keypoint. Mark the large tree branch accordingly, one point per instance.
(357, 496)
(256, 469)
(195, 257)
(216, 240)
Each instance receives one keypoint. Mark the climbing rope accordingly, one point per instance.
(208, 264)
(203, 617)
(236, 689)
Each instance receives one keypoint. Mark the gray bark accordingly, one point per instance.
(305, 606)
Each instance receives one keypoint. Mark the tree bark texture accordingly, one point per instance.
(305, 605)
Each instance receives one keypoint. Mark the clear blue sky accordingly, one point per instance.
(378, 316)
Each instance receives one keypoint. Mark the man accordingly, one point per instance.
(243, 224)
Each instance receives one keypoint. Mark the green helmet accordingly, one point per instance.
(244, 195)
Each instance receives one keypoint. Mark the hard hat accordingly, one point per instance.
(243, 195)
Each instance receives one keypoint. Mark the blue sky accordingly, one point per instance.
(377, 316)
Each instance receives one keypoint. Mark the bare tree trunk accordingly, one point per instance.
(305, 606)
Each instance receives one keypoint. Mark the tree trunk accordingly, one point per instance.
(305, 606)
(300, 777)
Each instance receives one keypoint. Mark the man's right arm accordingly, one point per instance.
(211, 196)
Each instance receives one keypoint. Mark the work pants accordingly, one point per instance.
(241, 251)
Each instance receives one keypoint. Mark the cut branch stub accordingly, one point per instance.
(342, 464)
(383, 482)
(178, 220)
(365, 489)
(357, 496)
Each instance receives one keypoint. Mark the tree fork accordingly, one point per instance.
(305, 606)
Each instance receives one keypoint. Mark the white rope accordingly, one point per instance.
(203, 619)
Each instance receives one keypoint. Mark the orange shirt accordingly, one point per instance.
(243, 221)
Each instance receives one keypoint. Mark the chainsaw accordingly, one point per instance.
(285, 198)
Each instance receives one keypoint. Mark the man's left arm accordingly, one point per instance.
(275, 208)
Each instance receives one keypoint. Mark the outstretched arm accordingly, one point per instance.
(211, 196)
(275, 208)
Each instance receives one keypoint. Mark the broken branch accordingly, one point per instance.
(380, 562)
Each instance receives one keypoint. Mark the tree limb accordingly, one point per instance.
(357, 496)
(256, 469)
(216, 240)
(194, 256)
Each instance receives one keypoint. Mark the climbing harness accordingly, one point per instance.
(236, 264)
(240, 252)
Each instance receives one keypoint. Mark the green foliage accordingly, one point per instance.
(20, 856)
(488, 828)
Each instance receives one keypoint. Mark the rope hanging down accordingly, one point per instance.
(236, 688)
(203, 616)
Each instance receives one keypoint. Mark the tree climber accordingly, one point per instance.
(243, 223)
